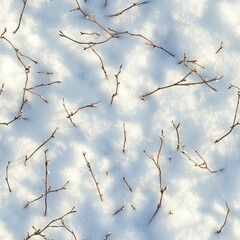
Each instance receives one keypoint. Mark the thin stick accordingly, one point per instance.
(221, 46)
(117, 84)
(126, 9)
(102, 64)
(46, 182)
(6, 178)
(176, 127)
(79, 8)
(124, 138)
(225, 220)
(93, 176)
(130, 189)
(67, 228)
(20, 116)
(119, 210)
(21, 15)
(1, 89)
(28, 157)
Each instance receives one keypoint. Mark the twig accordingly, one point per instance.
(1, 89)
(67, 228)
(90, 33)
(79, 8)
(176, 127)
(158, 166)
(69, 115)
(46, 183)
(119, 210)
(130, 189)
(102, 64)
(117, 84)
(40, 231)
(6, 178)
(107, 236)
(28, 157)
(221, 46)
(93, 176)
(21, 15)
(235, 121)
(126, 9)
(105, 3)
(45, 72)
(124, 138)
(19, 116)
(225, 220)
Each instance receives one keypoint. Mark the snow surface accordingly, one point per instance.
(194, 203)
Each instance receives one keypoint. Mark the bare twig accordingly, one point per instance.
(45, 72)
(221, 46)
(21, 15)
(225, 220)
(1, 89)
(40, 231)
(102, 64)
(117, 84)
(126, 9)
(119, 210)
(6, 178)
(156, 162)
(124, 138)
(235, 121)
(176, 127)
(79, 9)
(67, 228)
(130, 189)
(46, 183)
(28, 157)
(93, 176)
(19, 116)
(69, 115)
(107, 236)
(90, 33)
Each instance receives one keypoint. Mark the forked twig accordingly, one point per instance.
(225, 220)
(176, 127)
(52, 136)
(93, 176)
(128, 8)
(117, 84)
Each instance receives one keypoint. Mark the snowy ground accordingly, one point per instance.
(96, 169)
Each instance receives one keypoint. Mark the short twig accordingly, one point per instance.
(221, 46)
(119, 210)
(93, 176)
(28, 157)
(130, 189)
(6, 178)
(1, 89)
(176, 127)
(117, 84)
(225, 220)
(107, 236)
(124, 138)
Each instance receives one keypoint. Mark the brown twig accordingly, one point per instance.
(21, 15)
(71, 114)
(47, 188)
(40, 231)
(102, 64)
(128, 8)
(19, 116)
(119, 210)
(202, 165)
(235, 121)
(130, 189)
(6, 178)
(68, 229)
(90, 33)
(93, 176)
(156, 162)
(176, 127)
(124, 138)
(117, 84)
(28, 157)
(79, 9)
(225, 220)
(221, 46)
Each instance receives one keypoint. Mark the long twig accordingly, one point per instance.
(124, 138)
(21, 15)
(102, 64)
(225, 220)
(93, 176)
(128, 8)
(117, 84)
(6, 178)
(28, 157)
(130, 189)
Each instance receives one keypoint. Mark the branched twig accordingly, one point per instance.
(176, 127)
(28, 157)
(40, 231)
(156, 162)
(6, 178)
(79, 9)
(119, 210)
(67, 228)
(130, 189)
(21, 15)
(126, 9)
(69, 115)
(93, 176)
(124, 138)
(19, 116)
(202, 165)
(117, 84)
(225, 220)
(220, 48)
(235, 121)
(102, 65)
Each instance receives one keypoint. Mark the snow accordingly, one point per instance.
(195, 202)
